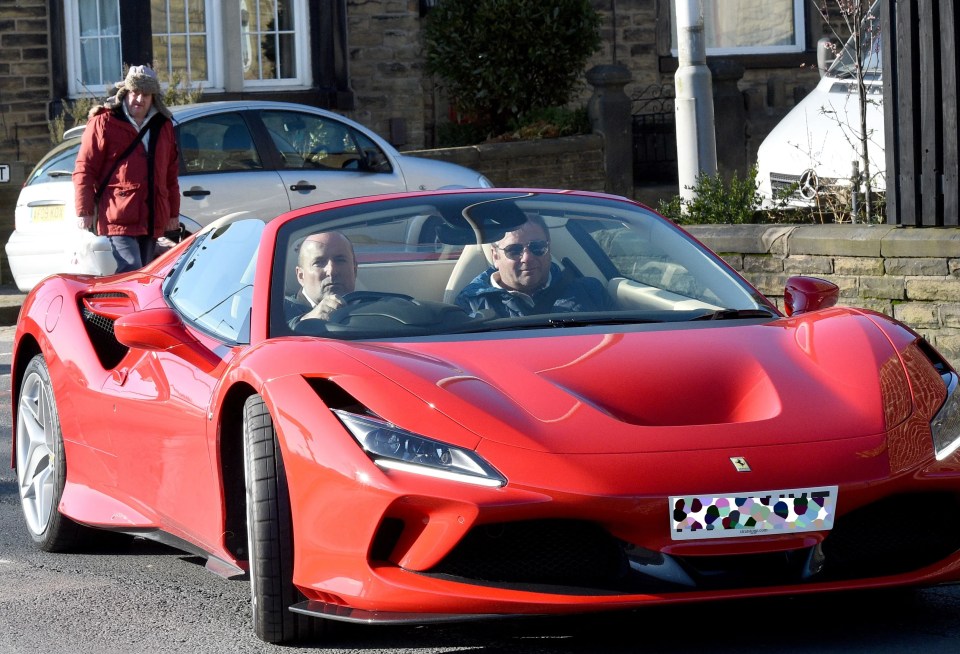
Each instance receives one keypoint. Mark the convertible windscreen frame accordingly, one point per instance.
(421, 239)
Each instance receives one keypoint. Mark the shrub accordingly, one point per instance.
(502, 59)
(716, 201)
(551, 122)
(73, 114)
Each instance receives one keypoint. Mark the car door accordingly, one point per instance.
(159, 422)
(223, 170)
(322, 159)
(158, 427)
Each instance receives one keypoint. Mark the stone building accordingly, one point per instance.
(362, 58)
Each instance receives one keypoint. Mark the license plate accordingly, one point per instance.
(46, 213)
(735, 515)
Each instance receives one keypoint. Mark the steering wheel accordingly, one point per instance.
(380, 312)
(357, 297)
(356, 300)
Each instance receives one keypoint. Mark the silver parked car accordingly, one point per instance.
(261, 157)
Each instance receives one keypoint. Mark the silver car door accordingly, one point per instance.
(324, 159)
(224, 172)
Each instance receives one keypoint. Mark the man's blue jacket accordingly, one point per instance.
(565, 292)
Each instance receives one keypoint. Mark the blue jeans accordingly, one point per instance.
(132, 252)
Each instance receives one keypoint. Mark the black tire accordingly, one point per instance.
(270, 533)
(41, 465)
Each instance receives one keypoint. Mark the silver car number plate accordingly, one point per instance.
(734, 515)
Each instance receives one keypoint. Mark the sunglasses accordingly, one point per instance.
(514, 251)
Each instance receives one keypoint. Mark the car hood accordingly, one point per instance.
(811, 378)
(421, 174)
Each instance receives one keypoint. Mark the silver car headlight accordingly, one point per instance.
(945, 426)
(483, 182)
(393, 448)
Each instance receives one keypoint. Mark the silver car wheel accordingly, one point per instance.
(35, 457)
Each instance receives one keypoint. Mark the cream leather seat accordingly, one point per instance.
(473, 260)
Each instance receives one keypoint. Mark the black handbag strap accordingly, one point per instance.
(126, 153)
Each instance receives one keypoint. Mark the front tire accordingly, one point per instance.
(40, 463)
(270, 533)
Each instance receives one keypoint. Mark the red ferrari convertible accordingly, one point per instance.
(483, 403)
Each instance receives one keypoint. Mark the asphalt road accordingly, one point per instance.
(146, 598)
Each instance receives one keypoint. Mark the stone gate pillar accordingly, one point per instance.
(609, 111)
(730, 118)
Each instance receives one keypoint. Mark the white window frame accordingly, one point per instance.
(799, 32)
(301, 32)
(214, 29)
(75, 86)
(223, 61)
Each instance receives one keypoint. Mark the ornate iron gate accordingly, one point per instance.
(654, 136)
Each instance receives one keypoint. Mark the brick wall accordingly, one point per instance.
(912, 274)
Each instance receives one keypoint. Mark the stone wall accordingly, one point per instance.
(25, 80)
(385, 51)
(387, 69)
(912, 274)
(573, 162)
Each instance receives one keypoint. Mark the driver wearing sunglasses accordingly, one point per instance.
(523, 280)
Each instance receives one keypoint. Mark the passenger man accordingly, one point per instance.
(523, 280)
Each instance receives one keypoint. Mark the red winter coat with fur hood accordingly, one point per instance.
(123, 204)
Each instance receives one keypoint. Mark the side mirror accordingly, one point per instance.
(805, 294)
(162, 330)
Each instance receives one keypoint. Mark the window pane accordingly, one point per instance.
(99, 22)
(110, 59)
(177, 16)
(214, 287)
(269, 39)
(198, 62)
(737, 23)
(268, 57)
(285, 15)
(90, 62)
(313, 142)
(179, 57)
(288, 57)
(161, 49)
(750, 26)
(180, 38)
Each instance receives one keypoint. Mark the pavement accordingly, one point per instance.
(10, 300)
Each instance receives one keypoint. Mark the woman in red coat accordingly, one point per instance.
(132, 195)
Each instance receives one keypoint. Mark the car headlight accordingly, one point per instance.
(945, 426)
(393, 448)
(483, 182)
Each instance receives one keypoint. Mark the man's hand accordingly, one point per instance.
(324, 308)
(85, 222)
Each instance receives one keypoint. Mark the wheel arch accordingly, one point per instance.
(27, 348)
(230, 446)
